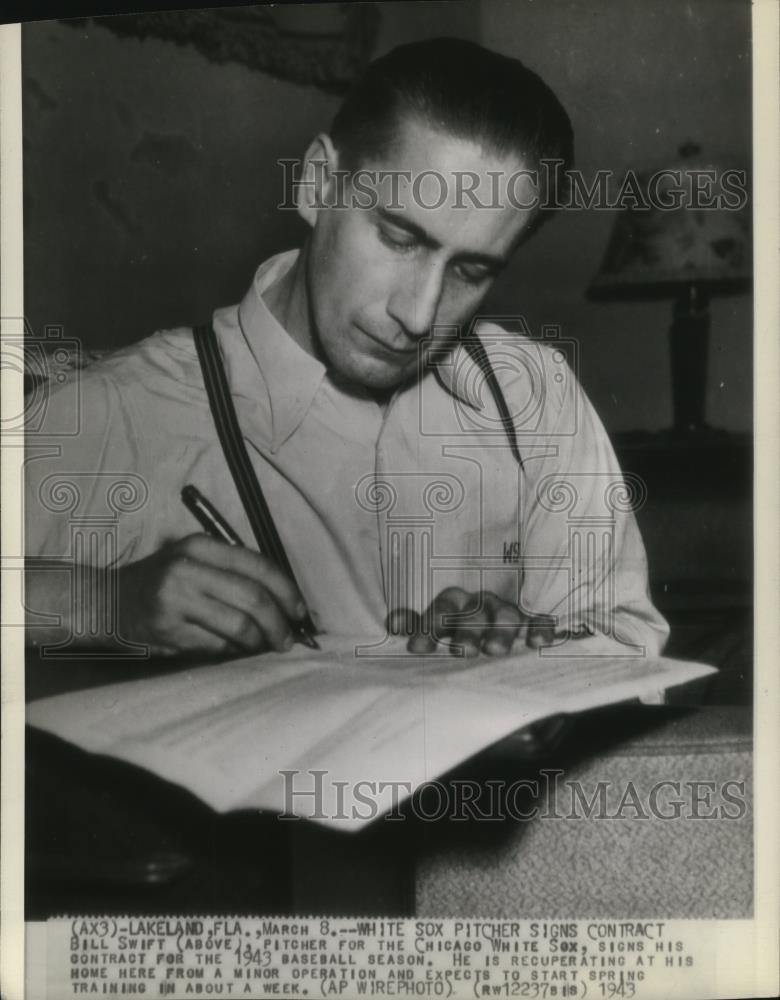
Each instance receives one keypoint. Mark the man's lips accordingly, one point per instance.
(399, 352)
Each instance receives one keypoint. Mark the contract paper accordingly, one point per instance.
(242, 734)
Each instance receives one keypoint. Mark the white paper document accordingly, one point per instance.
(337, 719)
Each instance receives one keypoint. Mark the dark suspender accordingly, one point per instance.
(232, 441)
(478, 353)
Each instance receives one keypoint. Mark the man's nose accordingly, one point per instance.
(415, 299)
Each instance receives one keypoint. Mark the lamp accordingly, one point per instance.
(683, 239)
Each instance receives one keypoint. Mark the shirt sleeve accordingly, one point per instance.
(584, 560)
(85, 490)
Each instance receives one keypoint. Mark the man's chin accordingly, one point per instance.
(374, 375)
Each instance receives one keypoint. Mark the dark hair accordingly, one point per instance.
(465, 90)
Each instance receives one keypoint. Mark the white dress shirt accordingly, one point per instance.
(377, 507)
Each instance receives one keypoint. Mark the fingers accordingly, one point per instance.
(465, 620)
(540, 633)
(507, 620)
(469, 634)
(247, 563)
(200, 595)
(433, 626)
(246, 633)
(403, 621)
(235, 607)
(191, 638)
(470, 622)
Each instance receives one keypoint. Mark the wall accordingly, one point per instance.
(638, 80)
(150, 173)
(151, 186)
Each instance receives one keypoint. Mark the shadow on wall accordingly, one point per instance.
(151, 183)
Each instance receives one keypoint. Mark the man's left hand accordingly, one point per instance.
(471, 621)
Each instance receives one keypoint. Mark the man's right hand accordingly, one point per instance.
(199, 595)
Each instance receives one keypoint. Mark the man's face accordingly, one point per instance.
(379, 278)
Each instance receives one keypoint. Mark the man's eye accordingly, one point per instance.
(396, 238)
(472, 274)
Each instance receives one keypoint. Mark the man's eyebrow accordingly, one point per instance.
(403, 222)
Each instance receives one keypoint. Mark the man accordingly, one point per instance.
(404, 498)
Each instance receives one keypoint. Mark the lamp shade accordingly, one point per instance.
(667, 240)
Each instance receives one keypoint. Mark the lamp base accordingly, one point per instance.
(688, 343)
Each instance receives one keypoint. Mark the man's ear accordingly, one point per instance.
(317, 187)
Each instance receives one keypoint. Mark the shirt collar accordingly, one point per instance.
(293, 376)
